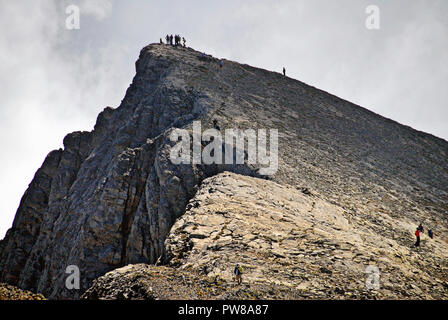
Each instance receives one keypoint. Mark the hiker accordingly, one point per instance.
(215, 125)
(430, 233)
(161, 42)
(238, 273)
(420, 227)
(417, 234)
(203, 56)
(176, 40)
(284, 71)
(171, 39)
(184, 41)
(220, 63)
(167, 38)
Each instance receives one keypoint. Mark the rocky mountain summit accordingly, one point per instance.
(350, 189)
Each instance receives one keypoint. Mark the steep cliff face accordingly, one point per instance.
(111, 196)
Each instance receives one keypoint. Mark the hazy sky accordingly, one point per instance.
(54, 80)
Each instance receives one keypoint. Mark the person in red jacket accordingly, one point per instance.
(417, 234)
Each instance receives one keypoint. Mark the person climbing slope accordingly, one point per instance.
(417, 234)
(430, 233)
(238, 273)
(420, 227)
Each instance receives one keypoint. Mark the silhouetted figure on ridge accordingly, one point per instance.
(284, 71)
(177, 40)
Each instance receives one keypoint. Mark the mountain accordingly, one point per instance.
(350, 189)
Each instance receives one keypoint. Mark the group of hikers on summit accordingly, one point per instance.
(174, 40)
(418, 233)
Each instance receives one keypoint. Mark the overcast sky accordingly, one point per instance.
(54, 80)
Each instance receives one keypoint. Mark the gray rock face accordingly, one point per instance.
(111, 196)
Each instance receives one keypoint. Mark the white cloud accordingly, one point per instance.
(53, 84)
(99, 9)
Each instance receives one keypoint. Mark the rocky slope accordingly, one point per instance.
(292, 245)
(111, 196)
(149, 282)
(292, 238)
(8, 292)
